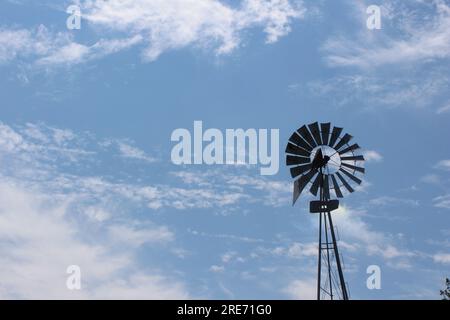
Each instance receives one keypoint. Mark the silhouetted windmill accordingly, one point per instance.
(322, 160)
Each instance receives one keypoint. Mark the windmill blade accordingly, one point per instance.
(351, 176)
(359, 169)
(345, 183)
(314, 128)
(301, 183)
(293, 149)
(326, 188)
(351, 148)
(295, 139)
(334, 136)
(296, 192)
(345, 139)
(325, 130)
(315, 186)
(294, 160)
(319, 155)
(337, 190)
(296, 171)
(353, 158)
(306, 135)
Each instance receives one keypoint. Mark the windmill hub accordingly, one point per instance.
(330, 161)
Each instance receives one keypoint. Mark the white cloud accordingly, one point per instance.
(299, 249)
(44, 47)
(372, 156)
(68, 54)
(97, 214)
(444, 109)
(132, 152)
(141, 286)
(10, 141)
(302, 289)
(353, 227)
(348, 220)
(194, 178)
(228, 256)
(74, 53)
(442, 201)
(414, 89)
(431, 178)
(136, 237)
(217, 269)
(444, 165)
(387, 201)
(274, 193)
(76, 218)
(39, 239)
(39, 143)
(30, 148)
(413, 44)
(157, 25)
(226, 236)
(428, 41)
(16, 43)
(181, 23)
(443, 258)
(295, 250)
(239, 186)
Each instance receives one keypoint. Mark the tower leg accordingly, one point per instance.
(338, 260)
(319, 264)
(331, 285)
(330, 280)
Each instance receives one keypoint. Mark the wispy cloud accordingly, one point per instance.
(233, 237)
(442, 201)
(444, 109)
(43, 47)
(297, 250)
(442, 258)
(54, 166)
(389, 200)
(15, 42)
(139, 235)
(181, 23)
(47, 239)
(373, 242)
(216, 269)
(416, 89)
(402, 65)
(55, 153)
(302, 289)
(443, 165)
(40, 145)
(431, 178)
(74, 53)
(157, 26)
(132, 152)
(429, 40)
(372, 156)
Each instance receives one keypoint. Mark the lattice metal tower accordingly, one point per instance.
(325, 162)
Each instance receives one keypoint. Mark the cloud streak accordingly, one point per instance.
(40, 238)
(430, 40)
(156, 26)
(180, 23)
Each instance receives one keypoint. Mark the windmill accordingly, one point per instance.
(322, 160)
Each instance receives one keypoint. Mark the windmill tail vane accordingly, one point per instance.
(323, 160)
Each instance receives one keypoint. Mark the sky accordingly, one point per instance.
(86, 117)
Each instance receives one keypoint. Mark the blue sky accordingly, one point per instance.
(86, 118)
